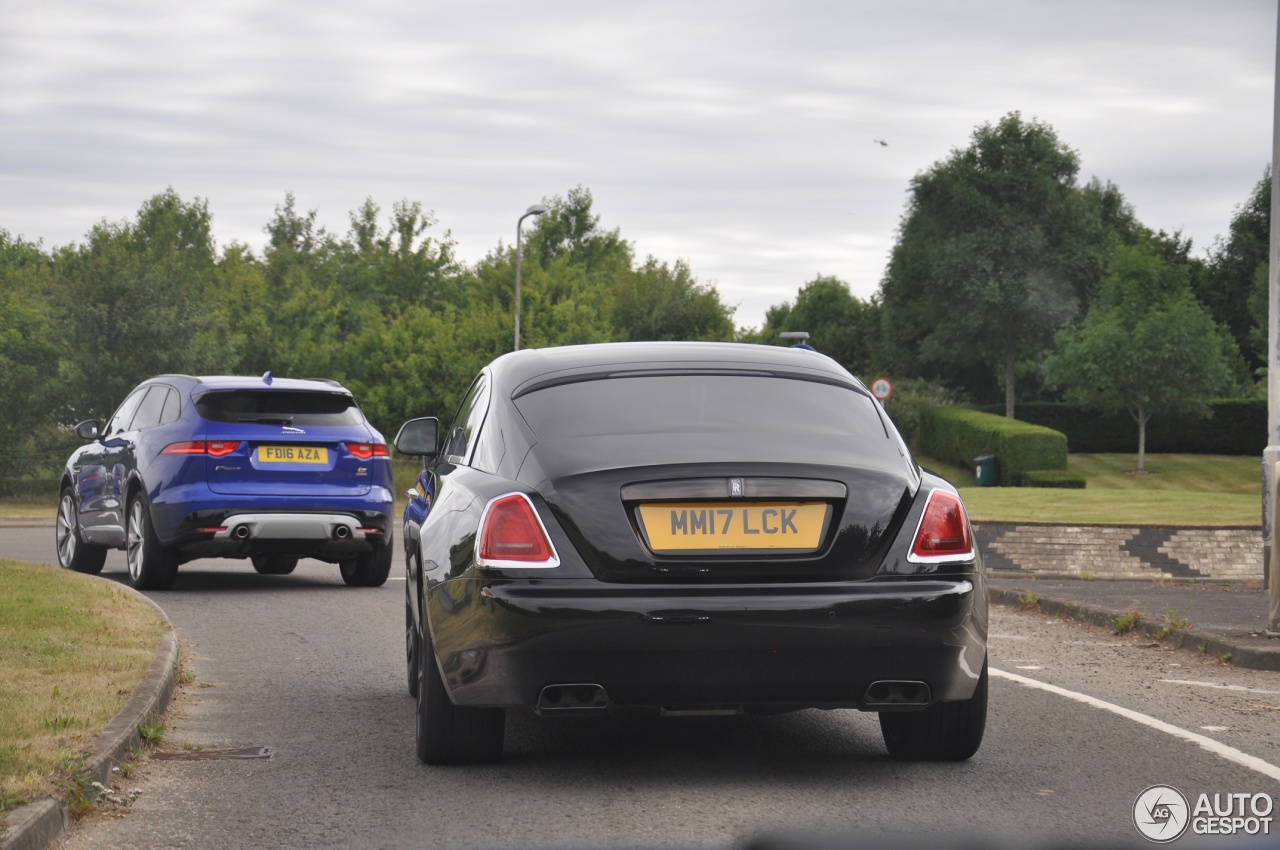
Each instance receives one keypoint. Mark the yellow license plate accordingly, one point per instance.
(691, 527)
(292, 454)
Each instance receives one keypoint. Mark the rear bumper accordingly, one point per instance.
(761, 647)
(329, 535)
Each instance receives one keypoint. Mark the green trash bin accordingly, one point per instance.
(984, 469)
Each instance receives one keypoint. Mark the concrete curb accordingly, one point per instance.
(1188, 639)
(36, 825)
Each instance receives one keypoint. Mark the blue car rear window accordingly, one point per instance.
(287, 407)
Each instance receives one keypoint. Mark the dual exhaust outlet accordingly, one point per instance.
(244, 532)
(884, 694)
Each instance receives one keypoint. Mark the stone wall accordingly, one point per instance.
(1121, 552)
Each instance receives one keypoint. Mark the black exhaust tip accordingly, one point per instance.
(575, 697)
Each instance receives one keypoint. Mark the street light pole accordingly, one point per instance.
(1271, 455)
(536, 209)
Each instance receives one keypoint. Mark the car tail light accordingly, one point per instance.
(212, 448)
(943, 534)
(364, 451)
(511, 534)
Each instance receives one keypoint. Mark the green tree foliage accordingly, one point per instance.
(138, 299)
(994, 254)
(1235, 286)
(1146, 346)
(660, 301)
(29, 352)
(385, 308)
(839, 324)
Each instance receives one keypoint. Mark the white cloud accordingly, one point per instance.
(738, 135)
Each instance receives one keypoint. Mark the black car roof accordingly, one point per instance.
(521, 371)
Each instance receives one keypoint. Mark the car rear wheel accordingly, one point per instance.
(370, 569)
(411, 648)
(151, 566)
(274, 565)
(74, 553)
(946, 731)
(448, 733)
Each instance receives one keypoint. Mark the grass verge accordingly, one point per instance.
(72, 648)
(1176, 490)
(28, 508)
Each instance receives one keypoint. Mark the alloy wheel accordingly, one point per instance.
(136, 534)
(66, 533)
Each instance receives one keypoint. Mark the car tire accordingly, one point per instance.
(945, 731)
(411, 648)
(151, 566)
(369, 569)
(73, 552)
(448, 733)
(274, 565)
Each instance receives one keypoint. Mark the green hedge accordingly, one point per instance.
(958, 435)
(1236, 427)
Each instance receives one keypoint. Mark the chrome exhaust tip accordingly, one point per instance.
(895, 692)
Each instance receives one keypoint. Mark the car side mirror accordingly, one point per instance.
(418, 437)
(90, 429)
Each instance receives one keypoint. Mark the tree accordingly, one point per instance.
(658, 301)
(839, 324)
(29, 354)
(1237, 274)
(992, 256)
(570, 229)
(1147, 346)
(139, 299)
(399, 266)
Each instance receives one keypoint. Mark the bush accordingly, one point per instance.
(1235, 427)
(1053, 478)
(911, 397)
(958, 435)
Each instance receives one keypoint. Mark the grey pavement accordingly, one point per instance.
(1227, 620)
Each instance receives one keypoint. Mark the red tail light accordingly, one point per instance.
(212, 448)
(943, 534)
(364, 451)
(512, 535)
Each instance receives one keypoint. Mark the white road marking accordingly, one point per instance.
(1215, 728)
(1218, 748)
(396, 578)
(1028, 666)
(1240, 688)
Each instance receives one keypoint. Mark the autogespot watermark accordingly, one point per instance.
(1162, 814)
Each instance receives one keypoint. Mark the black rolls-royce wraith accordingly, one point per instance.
(686, 528)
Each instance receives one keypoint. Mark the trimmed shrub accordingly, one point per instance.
(958, 435)
(1053, 478)
(1235, 427)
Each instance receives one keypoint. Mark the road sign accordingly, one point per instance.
(882, 388)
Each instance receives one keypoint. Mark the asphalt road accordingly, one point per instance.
(315, 671)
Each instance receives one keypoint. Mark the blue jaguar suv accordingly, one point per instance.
(269, 469)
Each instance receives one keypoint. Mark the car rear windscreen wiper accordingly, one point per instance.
(268, 420)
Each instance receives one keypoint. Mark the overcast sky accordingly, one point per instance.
(740, 136)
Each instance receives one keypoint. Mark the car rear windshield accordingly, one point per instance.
(683, 404)
(286, 407)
